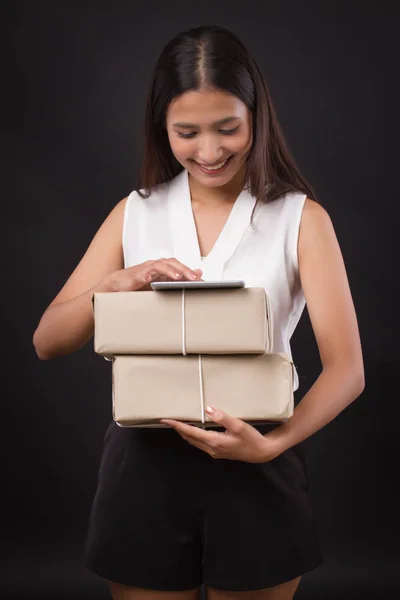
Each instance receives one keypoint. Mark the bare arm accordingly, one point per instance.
(67, 324)
(334, 322)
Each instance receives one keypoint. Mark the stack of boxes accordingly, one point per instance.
(174, 352)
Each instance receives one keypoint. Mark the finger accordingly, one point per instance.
(165, 272)
(184, 431)
(187, 273)
(231, 424)
(141, 278)
(211, 450)
(164, 269)
(194, 433)
(196, 444)
(141, 281)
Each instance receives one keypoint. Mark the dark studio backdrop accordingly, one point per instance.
(75, 79)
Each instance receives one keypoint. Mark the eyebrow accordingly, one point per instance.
(191, 125)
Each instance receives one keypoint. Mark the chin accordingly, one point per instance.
(215, 182)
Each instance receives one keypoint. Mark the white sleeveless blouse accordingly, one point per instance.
(263, 254)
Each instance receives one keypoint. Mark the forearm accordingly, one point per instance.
(336, 387)
(67, 326)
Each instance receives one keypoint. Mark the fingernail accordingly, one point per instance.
(209, 409)
(178, 275)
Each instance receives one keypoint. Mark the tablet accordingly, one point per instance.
(195, 285)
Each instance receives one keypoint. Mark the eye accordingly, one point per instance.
(229, 131)
(193, 133)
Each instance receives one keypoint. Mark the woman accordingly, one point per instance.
(221, 196)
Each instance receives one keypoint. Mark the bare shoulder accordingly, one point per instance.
(315, 222)
(103, 255)
(326, 288)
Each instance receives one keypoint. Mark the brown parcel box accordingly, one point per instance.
(214, 321)
(254, 387)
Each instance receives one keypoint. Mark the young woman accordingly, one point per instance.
(219, 197)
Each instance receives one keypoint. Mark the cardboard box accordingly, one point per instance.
(210, 321)
(255, 388)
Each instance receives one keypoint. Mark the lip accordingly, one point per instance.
(215, 171)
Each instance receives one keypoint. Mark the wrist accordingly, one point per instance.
(106, 285)
(278, 440)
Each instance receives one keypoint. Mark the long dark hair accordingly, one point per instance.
(215, 57)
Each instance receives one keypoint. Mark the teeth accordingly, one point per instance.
(216, 166)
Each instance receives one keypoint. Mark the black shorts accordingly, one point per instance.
(167, 516)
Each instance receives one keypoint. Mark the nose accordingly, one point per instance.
(209, 153)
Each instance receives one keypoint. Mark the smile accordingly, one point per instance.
(214, 169)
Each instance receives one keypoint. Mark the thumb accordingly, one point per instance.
(199, 273)
(230, 423)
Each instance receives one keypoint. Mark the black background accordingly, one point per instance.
(75, 77)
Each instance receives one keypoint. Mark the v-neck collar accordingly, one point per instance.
(184, 234)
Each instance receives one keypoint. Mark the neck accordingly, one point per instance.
(214, 196)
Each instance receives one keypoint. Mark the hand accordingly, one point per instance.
(240, 441)
(140, 276)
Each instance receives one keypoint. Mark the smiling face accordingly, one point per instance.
(207, 129)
